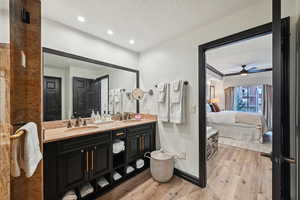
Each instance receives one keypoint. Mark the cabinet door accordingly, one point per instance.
(133, 147)
(101, 159)
(72, 169)
(146, 142)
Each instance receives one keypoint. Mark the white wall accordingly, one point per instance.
(4, 26)
(178, 59)
(60, 37)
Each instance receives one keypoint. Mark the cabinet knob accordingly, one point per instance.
(82, 150)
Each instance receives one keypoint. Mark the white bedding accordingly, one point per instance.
(253, 125)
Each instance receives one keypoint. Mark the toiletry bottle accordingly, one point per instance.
(98, 118)
(93, 116)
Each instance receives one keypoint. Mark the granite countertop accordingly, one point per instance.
(58, 134)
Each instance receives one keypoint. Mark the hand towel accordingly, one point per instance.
(118, 146)
(176, 85)
(116, 176)
(26, 153)
(129, 169)
(176, 92)
(163, 106)
(177, 106)
(86, 189)
(70, 195)
(139, 163)
(102, 182)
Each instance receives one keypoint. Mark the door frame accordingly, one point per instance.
(60, 94)
(282, 74)
(100, 78)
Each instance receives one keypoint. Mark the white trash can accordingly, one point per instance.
(161, 165)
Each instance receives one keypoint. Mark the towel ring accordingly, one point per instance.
(18, 134)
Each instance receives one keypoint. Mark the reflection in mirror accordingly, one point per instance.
(75, 88)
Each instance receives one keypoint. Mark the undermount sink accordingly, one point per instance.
(83, 128)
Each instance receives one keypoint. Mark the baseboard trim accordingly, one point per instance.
(186, 176)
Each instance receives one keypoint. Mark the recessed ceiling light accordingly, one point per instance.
(110, 32)
(131, 41)
(81, 19)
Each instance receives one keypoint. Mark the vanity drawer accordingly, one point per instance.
(137, 129)
(82, 142)
(119, 134)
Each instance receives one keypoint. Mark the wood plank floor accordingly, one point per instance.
(233, 174)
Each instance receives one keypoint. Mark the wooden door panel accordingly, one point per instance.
(101, 155)
(52, 98)
(133, 147)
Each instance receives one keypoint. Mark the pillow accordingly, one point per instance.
(216, 107)
(208, 108)
(212, 108)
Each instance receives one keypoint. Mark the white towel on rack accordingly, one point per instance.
(163, 105)
(129, 169)
(116, 176)
(176, 92)
(26, 153)
(177, 106)
(70, 195)
(86, 189)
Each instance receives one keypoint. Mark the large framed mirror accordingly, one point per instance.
(75, 86)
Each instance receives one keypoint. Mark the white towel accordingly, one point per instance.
(26, 153)
(176, 92)
(118, 146)
(139, 163)
(102, 182)
(70, 195)
(177, 107)
(129, 169)
(162, 89)
(163, 106)
(116, 176)
(86, 189)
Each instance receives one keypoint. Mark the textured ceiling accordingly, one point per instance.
(256, 52)
(148, 22)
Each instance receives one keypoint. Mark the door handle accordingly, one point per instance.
(285, 159)
(92, 167)
(87, 162)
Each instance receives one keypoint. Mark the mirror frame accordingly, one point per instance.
(93, 61)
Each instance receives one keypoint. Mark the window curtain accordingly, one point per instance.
(229, 98)
(268, 104)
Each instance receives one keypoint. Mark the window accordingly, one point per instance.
(248, 98)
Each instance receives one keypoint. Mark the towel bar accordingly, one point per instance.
(185, 83)
(18, 134)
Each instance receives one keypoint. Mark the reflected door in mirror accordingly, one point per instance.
(52, 98)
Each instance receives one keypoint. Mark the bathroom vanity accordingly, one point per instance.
(76, 156)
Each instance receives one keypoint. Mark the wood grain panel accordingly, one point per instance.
(4, 122)
(26, 84)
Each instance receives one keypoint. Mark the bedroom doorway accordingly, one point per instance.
(243, 96)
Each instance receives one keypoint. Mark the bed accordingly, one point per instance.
(243, 126)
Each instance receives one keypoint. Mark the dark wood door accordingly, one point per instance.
(72, 169)
(101, 159)
(85, 95)
(133, 147)
(52, 98)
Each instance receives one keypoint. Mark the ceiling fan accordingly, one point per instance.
(245, 71)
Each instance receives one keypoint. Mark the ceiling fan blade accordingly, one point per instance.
(252, 69)
(256, 70)
(233, 74)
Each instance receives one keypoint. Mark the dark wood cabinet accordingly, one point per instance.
(71, 163)
(101, 159)
(133, 147)
(72, 169)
